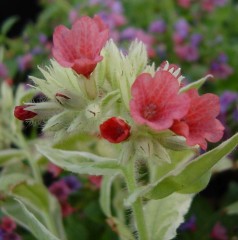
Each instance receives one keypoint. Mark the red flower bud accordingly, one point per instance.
(22, 114)
(115, 130)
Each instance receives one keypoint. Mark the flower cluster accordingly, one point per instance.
(7, 229)
(97, 88)
(62, 189)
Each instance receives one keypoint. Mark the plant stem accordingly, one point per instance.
(137, 206)
(33, 165)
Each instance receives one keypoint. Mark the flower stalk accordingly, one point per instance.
(137, 206)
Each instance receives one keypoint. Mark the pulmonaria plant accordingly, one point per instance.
(148, 119)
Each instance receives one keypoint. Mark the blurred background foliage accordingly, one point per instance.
(201, 36)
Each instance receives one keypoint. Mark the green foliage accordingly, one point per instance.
(81, 162)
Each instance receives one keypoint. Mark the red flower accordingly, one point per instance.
(95, 180)
(200, 123)
(156, 101)
(79, 48)
(115, 130)
(219, 232)
(66, 209)
(22, 114)
(8, 224)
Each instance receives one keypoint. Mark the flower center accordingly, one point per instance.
(150, 111)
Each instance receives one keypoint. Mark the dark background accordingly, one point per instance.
(25, 10)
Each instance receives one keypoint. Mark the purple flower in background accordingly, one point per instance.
(112, 19)
(24, 62)
(128, 33)
(94, 2)
(43, 38)
(73, 16)
(226, 99)
(161, 51)
(60, 190)
(219, 232)
(158, 26)
(116, 7)
(36, 50)
(184, 3)
(209, 5)
(10, 236)
(187, 52)
(136, 33)
(222, 58)
(196, 39)
(235, 114)
(221, 71)
(72, 182)
(182, 28)
(3, 71)
(189, 225)
(220, 2)
(1, 234)
(219, 67)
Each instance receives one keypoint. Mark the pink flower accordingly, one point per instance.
(95, 180)
(200, 123)
(156, 101)
(22, 114)
(54, 169)
(208, 5)
(187, 52)
(172, 67)
(115, 130)
(219, 232)
(66, 209)
(80, 47)
(8, 224)
(60, 190)
(184, 3)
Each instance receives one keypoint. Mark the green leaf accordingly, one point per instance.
(185, 175)
(198, 185)
(232, 209)
(34, 195)
(105, 195)
(37, 198)
(21, 213)
(10, 180)
(164, 216)
(197, 84)
(80, 162)
(193, 170)
(8, 24)
(178, 158)
(10, 155)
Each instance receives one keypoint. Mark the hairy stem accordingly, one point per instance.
(137, 206)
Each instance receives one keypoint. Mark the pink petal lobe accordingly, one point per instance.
(80, 47)
(201, 120)
(156, 102)
(181, 128)
(62, 50)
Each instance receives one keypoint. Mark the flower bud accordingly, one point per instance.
(21, 113)
(115, 130)
(69, 100)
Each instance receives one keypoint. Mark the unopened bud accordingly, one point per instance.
(115, 130)
(69, 100)
(21, 113)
